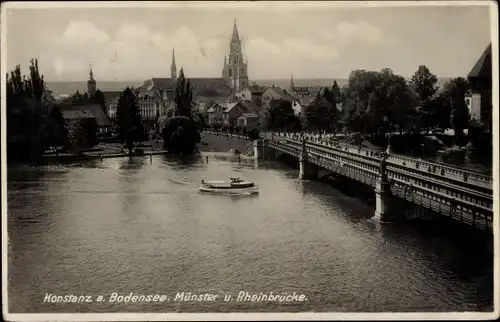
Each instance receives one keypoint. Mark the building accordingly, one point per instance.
(71, 112)
(228, 113)
(276, 93)
(214, 113)
(235, 110)
(91, 84)
(157, 95)
(252, 93)
(248, 120)
(300, 105)
(479, 98)
(235, 70)
(111, 98)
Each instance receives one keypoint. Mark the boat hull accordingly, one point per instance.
(250, 190)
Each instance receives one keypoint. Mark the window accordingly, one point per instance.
(237, 56)
(242, 72)
(230, 72)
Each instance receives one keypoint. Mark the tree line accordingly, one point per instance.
(377, 102)
(179, 128)
(34, 122)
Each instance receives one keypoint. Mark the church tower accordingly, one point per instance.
(235, 68)
(173, 68)
(292, 84)
(91, 84)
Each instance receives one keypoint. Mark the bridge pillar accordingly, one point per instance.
(306, 170)
(260, 148)
(383, 210)
(385, 203)
(257, 149)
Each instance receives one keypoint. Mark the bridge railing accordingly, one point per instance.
(455, 173)
(227, 134)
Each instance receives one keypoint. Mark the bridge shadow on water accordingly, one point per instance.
(431, 226)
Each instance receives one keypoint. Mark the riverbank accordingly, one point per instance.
(222, 143)
(105, 151)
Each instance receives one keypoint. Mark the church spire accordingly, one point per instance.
(91, 83)
(236, 36)
(91, 74)
(173, 67)
(292, 84)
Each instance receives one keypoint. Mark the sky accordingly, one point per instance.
(279, 39)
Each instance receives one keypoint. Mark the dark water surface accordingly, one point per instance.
(131, 226)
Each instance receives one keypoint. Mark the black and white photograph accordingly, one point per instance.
(249, 160)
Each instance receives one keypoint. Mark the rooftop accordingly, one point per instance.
(483, 67)
(249, 115)
(94, 109)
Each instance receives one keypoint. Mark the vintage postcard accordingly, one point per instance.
(265, 160)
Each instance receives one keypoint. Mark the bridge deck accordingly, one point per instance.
(461, 194)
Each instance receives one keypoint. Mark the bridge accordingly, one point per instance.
(403, 185)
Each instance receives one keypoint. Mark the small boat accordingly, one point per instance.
(234, 185)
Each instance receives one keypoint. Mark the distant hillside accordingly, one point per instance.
(71, 87)
(319, 82)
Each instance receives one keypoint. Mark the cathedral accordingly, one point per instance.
(156, 95)
(235, 70)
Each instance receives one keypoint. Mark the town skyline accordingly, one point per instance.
(312, 42)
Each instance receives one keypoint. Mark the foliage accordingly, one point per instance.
(282, 117)
(181, 132)
(99, 99)
(376, 101)
(128, 117)
(57, 133)
(455, 91)
(425, 83)
(183, 96)
(322, 113)
(28, 110)
(180, 135)
(253, 134)
(200, 120)
(336, 91)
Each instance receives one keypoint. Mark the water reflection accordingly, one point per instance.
(132, 225)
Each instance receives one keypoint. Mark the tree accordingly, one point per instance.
(100, 99)
(253, 134)
(425, 83)
(282, 116)
(128, 117)
(454, 94)
(57, 133)
(336, 91)
(321, 114)
(181, 133)
(377, 100)
(183, 96)
(27, 112)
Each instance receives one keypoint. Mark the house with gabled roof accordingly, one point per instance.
(253, 93)
(248, 120)
(276, 93)
(86, 111)
(479, 98)
(235, 110)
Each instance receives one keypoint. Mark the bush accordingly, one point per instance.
(253, 134)
(139, 152)
(180, 135)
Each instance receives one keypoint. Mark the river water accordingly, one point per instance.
(124, 226)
